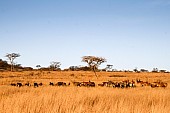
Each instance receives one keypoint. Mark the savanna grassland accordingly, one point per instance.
(72, 99)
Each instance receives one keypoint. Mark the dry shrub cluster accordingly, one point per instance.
(83, 100)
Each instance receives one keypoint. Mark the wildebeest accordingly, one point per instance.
(153, 85)
(163, 84)
(77, 84)
(88, 84)
(13, 84)
(61, 84)
(91, 84)
(19, 84)
(158, 84)
(69, 84)
(107, 84)
(51, 84)
(84, 83)
(101, 85)
(27, 84)
(35, 84)
(40, 84)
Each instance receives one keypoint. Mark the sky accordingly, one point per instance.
(128, 33)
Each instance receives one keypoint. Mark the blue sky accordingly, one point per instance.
(128, 33)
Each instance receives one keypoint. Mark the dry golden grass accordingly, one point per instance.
(67, 76)
(49, 99)
(83, 100)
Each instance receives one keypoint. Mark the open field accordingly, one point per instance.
(45, 77)
(71, 99)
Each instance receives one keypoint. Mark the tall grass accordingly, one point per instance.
(83, 100)
(71, 99)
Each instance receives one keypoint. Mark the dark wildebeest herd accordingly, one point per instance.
(132, 84)
(35, 84)
(120, 84)
(19, 84)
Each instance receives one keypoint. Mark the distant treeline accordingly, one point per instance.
(5, 66)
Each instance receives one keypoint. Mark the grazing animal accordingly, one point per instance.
(69, 84)
(77, 84)
(13, 84)
(40, 84)
(91, 84)
(163, 85)
(131, 84)
(122, 84)
(27, 84)
(84, 84)
(154, 85)
(61, 84)
(105, 83)
(101, 85)
(35, 84)
(117, 85)
(110, 84)
(138, 81)
(19, 84)
(88, 84)
(51, 84)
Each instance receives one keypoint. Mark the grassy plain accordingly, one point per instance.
(71, 99)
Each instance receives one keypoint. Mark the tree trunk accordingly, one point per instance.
(11, 67)
(95, 72)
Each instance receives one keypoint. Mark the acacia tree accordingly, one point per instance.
(109, 67)
(55, 65)
(93, 62)
(38, 66)
(136, 70)
(12, 57)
